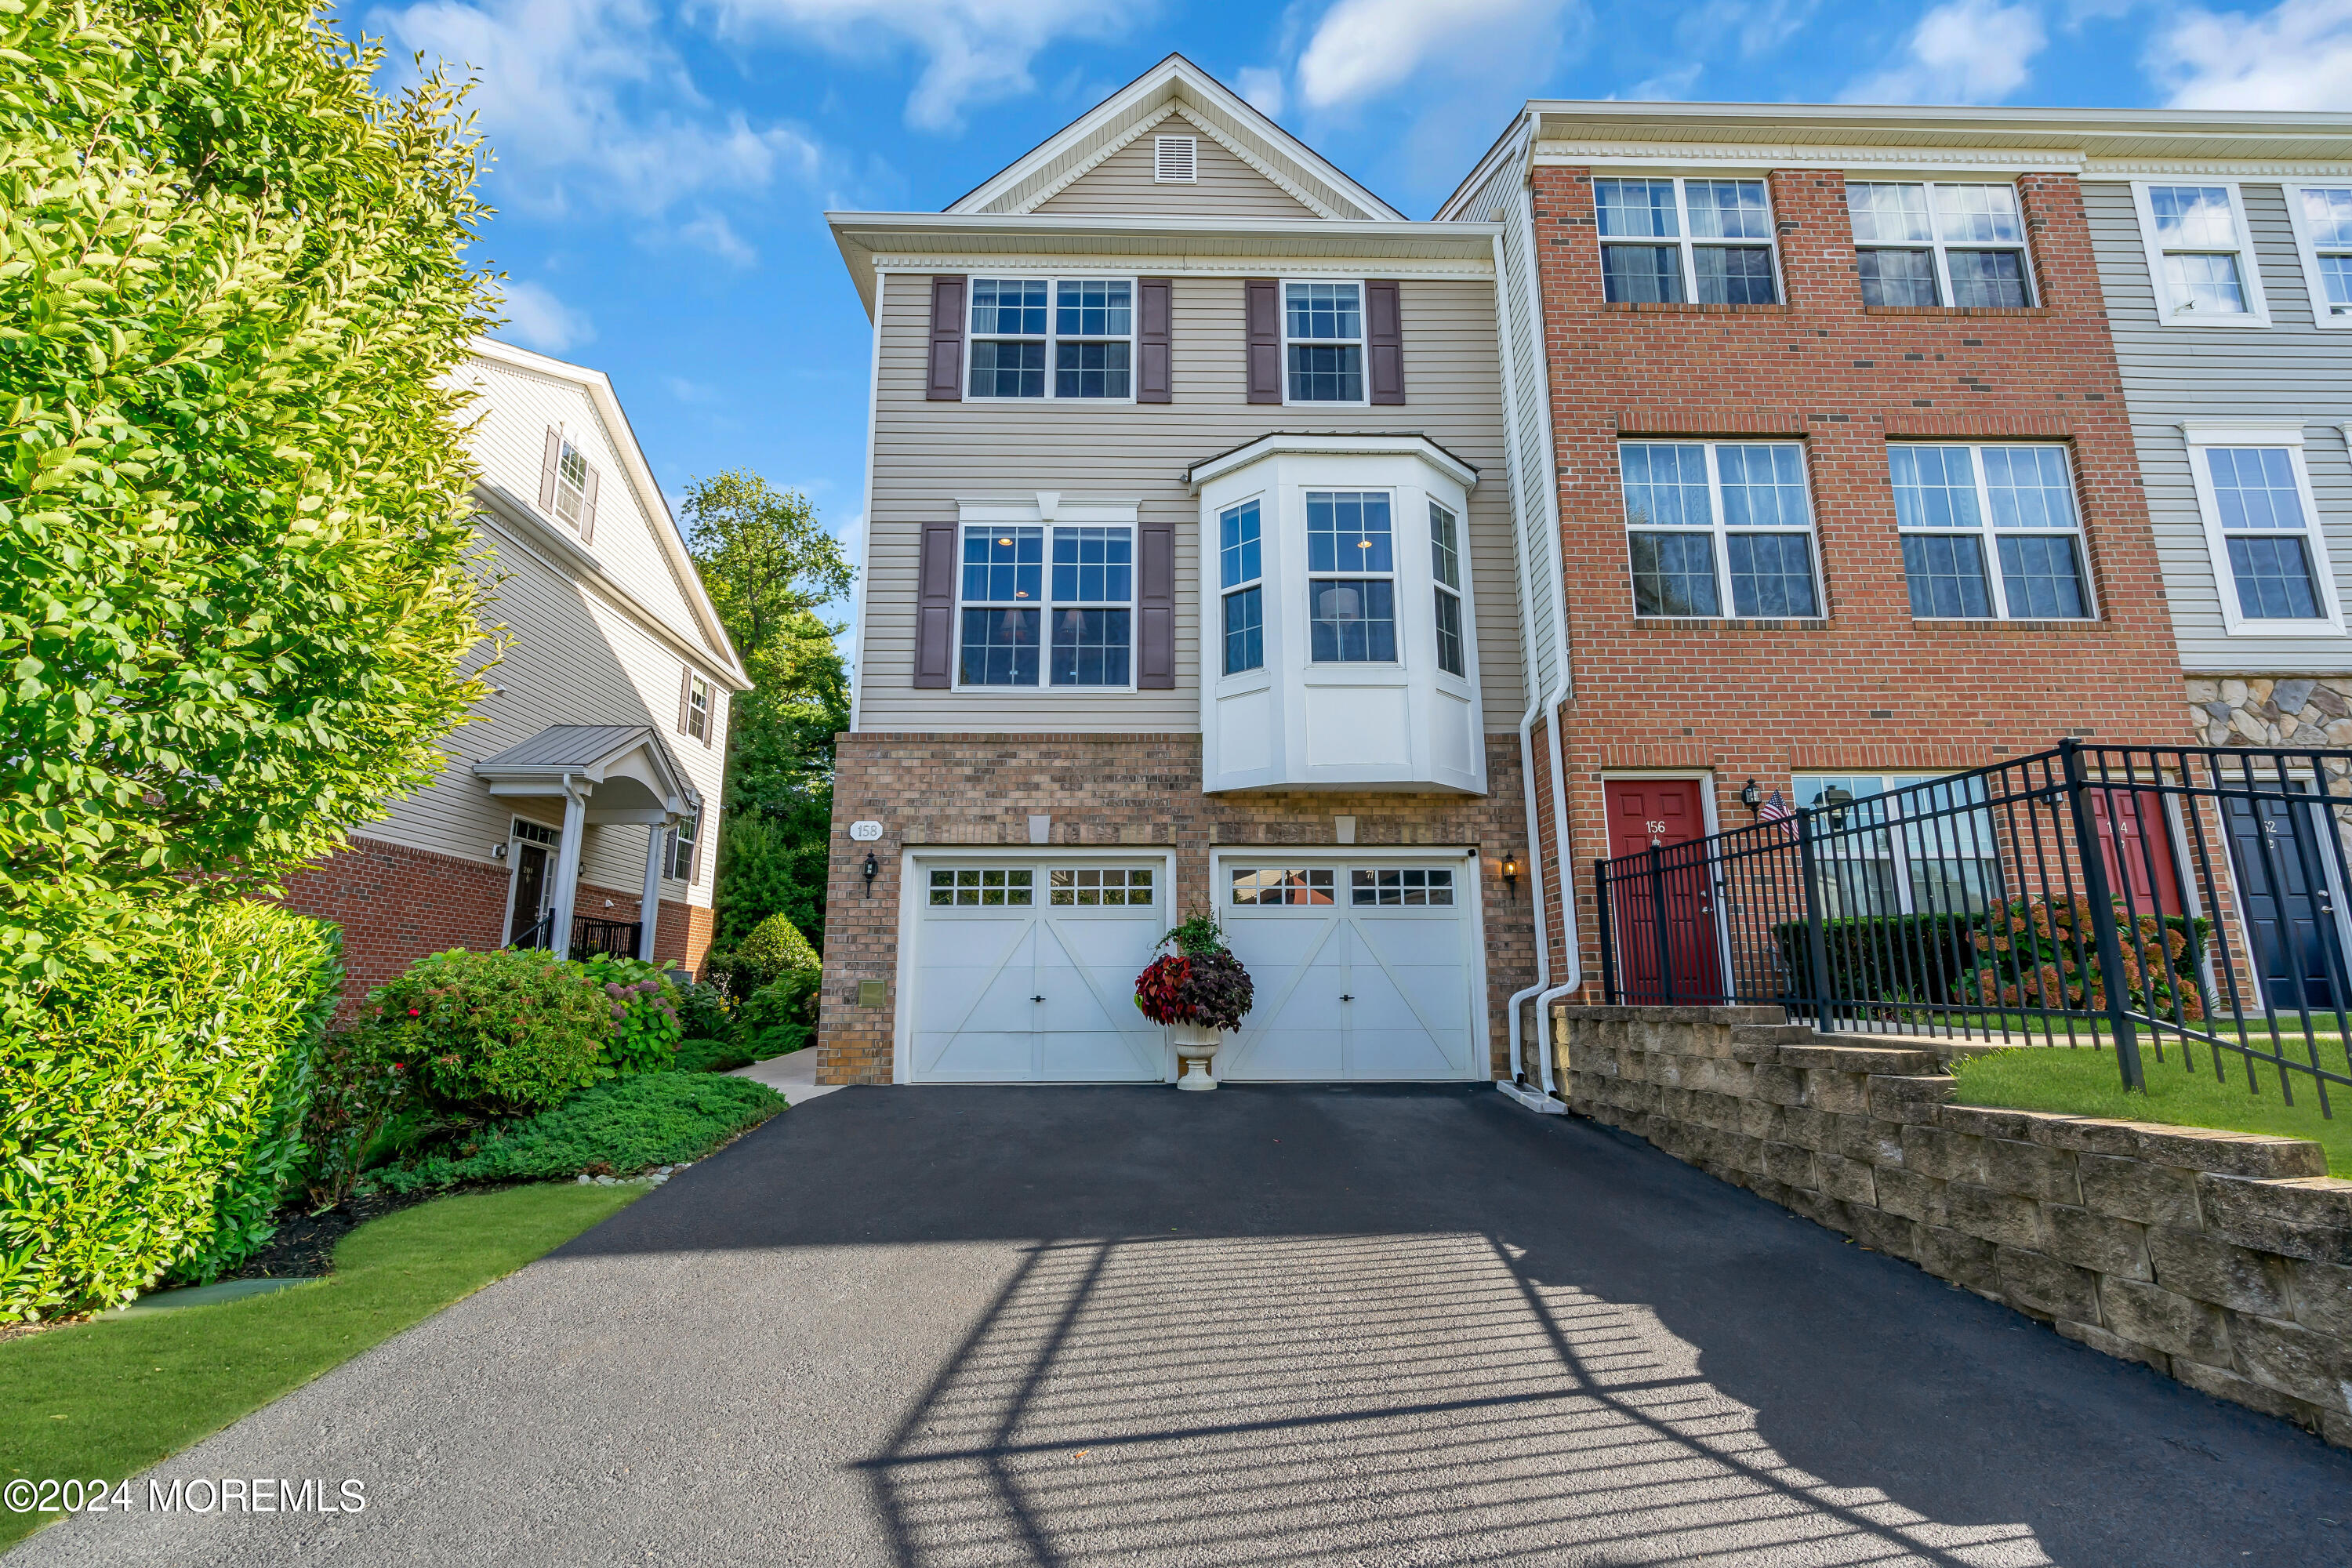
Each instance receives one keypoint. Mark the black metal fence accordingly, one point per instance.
(619, 938)
(2183, 898)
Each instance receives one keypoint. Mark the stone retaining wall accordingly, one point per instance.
(2223, 1259)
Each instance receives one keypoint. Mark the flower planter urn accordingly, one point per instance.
(1196, 1047)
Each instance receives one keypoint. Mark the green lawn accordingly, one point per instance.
(2087, 1082)
(113, 1396)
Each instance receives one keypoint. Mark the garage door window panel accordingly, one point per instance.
(1275, 885)
(982, 886)
(1086, 886)
(1409, 887)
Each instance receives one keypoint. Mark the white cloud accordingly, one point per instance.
(710, 231)
(1262, 87)
(538, 320)
(1363, 48)
(1666, 85)
(2296, 56)
(1965, 51)
(977, 51)
(586, 105)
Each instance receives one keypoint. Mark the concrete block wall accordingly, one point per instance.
(2223, 1259)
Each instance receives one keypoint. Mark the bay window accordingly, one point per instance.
(1709, 523)
(1241, 572)
(1950, 498)
(1352, 618)
(1922, 243)
(1446, 573)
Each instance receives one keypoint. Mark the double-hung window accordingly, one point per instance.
(1241, 574)
(1071, 337)
(697, 708)
(680, 868)
(1702, 515)
(2200, 257)
(1935, 243)
(1904, 843)
(1445, 571)
(2322, 229)
(1945, 497)
(1076, 609)
(2269, 560)
(1352, 618)
(1323, 341)
(1670, 242)
(571, 483)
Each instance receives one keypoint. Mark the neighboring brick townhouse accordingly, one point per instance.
(1802, 458)
(580, 810)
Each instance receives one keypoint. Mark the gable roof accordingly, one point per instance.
(643, 486)
(1175, 83)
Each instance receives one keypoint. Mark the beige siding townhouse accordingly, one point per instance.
(580, 810)
(1190, 583)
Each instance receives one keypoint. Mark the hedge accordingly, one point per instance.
(616, 1128)
(151, 1114)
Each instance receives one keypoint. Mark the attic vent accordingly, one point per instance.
(1176, 160)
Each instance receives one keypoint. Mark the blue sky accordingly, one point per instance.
(662, 169)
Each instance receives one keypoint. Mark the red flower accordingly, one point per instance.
(412, 1011)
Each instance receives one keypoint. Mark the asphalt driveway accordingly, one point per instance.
(952, 1328)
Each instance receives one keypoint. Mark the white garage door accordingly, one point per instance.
(1024, 971)
(1363, 968)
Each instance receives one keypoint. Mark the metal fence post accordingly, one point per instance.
(1816, 935)
(2103, 915)
(1658, 932)
(1608, 944)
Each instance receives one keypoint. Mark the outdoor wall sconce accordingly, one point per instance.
(1834, 801)
(1752, 798)
(872, 868)
(1511, 873)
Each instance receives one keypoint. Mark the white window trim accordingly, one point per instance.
(2307, 251)
(1393, 577)
(1720, 532)
(1458, 590)
(692, 821)
(566, 448)
(2202, 436)
(1363, 341)
(1241, 679)
(1054, 281)
(1049, 511)
(1688, 244)
(1941, 248)
(698, 713)
(2250, 268)
(1987, 535)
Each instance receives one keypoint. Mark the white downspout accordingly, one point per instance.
(1574, 979)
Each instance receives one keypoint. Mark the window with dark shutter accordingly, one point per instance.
(1151, 347)
(546, 470)
(935, 606)
(1264, 322)
(1384, 339)
(946, 378)
(1155, 607)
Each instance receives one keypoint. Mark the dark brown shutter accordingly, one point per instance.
(947, 341)
(1265, 340)
(694, 856)
(935, 606)
(709, 716)
(684, 694)
(546, 470)
(1155, 608)
(1384, 341)
(1151, 306)
(588, 510)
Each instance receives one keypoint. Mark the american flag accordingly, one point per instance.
(1774, 810)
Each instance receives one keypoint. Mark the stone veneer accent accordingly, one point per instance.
(937, 789)
(2223, 1259)
(2273, 711)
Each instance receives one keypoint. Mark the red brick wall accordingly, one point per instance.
(1112, 789)
(396, 904)
(1867, 688)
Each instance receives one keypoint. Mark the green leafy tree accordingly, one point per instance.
(769, 567)
(236, 615)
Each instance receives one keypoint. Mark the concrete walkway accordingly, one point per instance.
(949, 1328)
(793, 1076)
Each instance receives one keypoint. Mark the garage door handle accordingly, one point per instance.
(1345, 997)
(1036, 998)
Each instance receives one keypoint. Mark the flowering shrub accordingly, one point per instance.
(492, 1033)
(1200, 984)
(2031, 960)
(358, 1080)
(644, 1006)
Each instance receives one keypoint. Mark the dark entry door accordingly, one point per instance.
(1664, 813)
(2282, 866)
(529, 891)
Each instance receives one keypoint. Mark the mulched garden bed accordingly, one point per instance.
(304, 1247)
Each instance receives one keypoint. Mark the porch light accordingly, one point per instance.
(872, 870)
(1511, 872)
(1751, 798)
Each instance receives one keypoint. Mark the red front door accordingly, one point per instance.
(1664, 813)
(2136, 844)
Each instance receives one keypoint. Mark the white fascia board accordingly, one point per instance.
(1285, 443)
(577, 560)
(648, 490)
(1682, 156)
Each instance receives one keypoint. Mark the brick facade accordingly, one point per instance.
(1867, 688)
(948, 789)
(396, 904)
